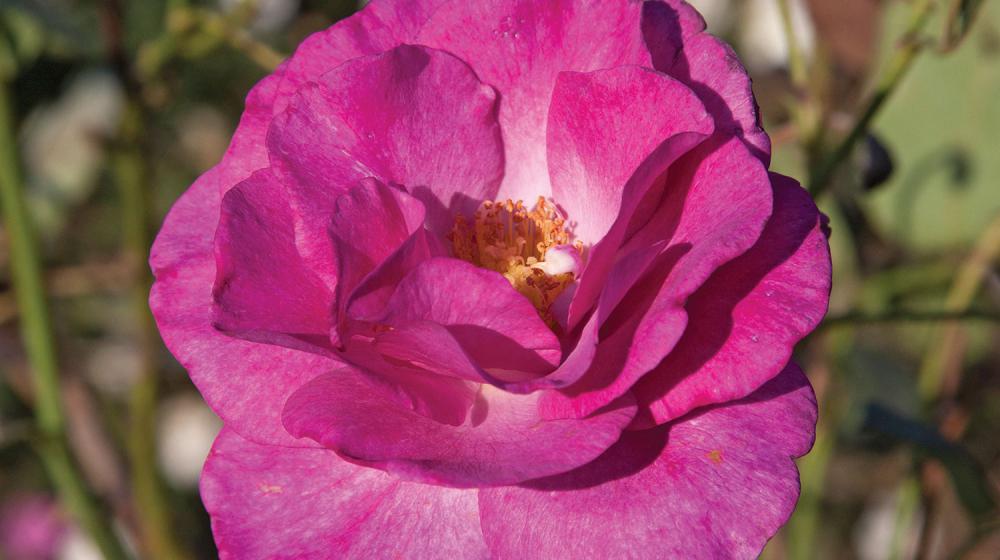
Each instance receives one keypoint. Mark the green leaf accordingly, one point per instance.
(967, 475)
(941, 127)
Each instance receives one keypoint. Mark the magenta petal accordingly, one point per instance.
(247, 152)
(591, 112)
(245, 383)
(442, 398)
(585, 349)
(503, 442)
(379, 237)
(574, 365)
(368, 301)
(602, 126)
(370, 222)
(715, 484)
(718, 215)
(497, 327)
(263, 291)
(249, 397)
(520, 47)
(276, 502)
(381, 25)
(410, 116)
(748, 316)
(679, 19)
(429, 347)
(680, 47)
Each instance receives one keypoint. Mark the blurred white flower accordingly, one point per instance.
(762, 37)
(876, 530)
(186, 430)
(64, 144)
(78, 546)
(204, 135)
(114, 367)
(719, 14)
(272, 15)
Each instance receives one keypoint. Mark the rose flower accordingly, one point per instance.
(498, 278)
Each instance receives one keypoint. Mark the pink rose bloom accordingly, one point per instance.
(498, 278)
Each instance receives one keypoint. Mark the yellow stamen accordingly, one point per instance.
(504, 236)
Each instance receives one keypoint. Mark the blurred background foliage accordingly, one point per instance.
(889, 110)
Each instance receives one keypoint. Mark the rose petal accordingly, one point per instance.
(683, 21)
(503, 442)
(278, 502)
(718, 216)
(602, 126)
(410, 116)
(182, 258)
(679, 47)
(440, 398)
(716, 484)
(263, 291)
(368, 301)
(608, 149)
(497, 327)
(380, 26)
(245, 383)
(745, 320)
(370, 222)
(520, 47)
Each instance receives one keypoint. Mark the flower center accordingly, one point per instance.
(530, 248)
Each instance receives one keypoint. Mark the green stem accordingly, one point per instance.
(906, 515)
(149, 492)
(229, 30)
(898, 66)
(968, 281)
(904, 316)
(39, 342)
(796, 62)
(945, 353)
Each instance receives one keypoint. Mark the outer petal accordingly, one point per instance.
(716, 214)
(381, 25)
(602, 126)
(520, 47)
(410, 116)
(717, 484)
(748, 316)
(263, 291)
(245, 383)
(503, 442)
(182, 259)
(675, 35)
(275, 502)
